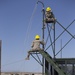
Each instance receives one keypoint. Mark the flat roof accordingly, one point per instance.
(65, 60)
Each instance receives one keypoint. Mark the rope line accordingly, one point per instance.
(29, 26)
(27, 36)
(13, 62)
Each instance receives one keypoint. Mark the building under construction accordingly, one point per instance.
(50, 64)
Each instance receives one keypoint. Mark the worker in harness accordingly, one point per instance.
(49, 16)
(35, 46)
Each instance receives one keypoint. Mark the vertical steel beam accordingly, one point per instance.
(43, 39)
(54, 40)
(0, 56)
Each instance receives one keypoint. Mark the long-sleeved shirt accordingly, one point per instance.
(49, 15)
(36, 44)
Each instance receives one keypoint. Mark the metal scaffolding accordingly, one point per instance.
(50, 64)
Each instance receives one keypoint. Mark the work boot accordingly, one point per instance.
(27, 58)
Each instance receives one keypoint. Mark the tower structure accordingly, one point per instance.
(50, 64)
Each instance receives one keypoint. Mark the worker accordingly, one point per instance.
(35, 46)
(49, 16)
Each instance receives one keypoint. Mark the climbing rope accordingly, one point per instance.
(13, 62)
(27, 36)
(29, 26)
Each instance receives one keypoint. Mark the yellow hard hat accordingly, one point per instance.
(48, 9)
(37, 37)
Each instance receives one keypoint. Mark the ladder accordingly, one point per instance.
(52, 62)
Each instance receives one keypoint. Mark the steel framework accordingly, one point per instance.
(52, 65)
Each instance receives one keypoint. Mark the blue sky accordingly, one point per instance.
(18, 28)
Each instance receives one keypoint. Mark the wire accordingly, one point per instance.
(13, 62)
